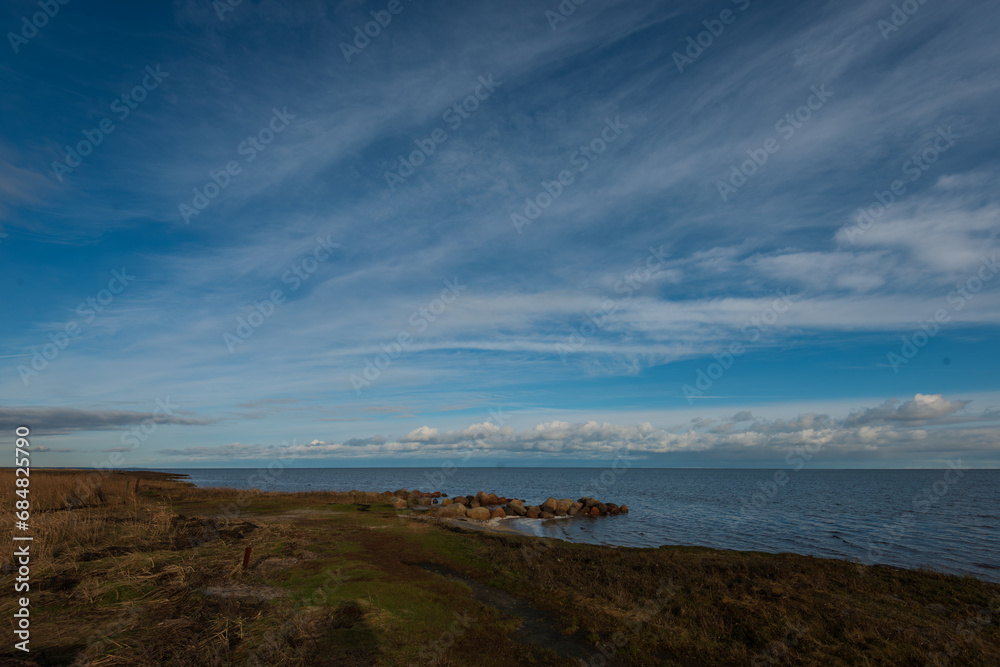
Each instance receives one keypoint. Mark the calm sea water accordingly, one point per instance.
(909, 518)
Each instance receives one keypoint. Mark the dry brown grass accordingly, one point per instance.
(726, 607)
(155, 577)
(74, 510)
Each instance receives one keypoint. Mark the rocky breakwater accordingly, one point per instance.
(402, 499)
(483, 506)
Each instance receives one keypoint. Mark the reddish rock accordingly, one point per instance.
(574, 508)
(447, 501)
(624, 509)
(461, 499)
(532, 513)
(475, 503)
(550, 504)
(546, 515)
(482, 497)
(498, 513)
(492, 499)
(594, 511)
(479, 513)
(560, 512)
(564, 504)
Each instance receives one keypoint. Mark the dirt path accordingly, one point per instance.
(538, 626)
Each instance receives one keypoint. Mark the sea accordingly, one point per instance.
(944, 520)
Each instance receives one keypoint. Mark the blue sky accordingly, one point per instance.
(702, 233)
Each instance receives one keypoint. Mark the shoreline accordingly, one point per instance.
(345, 578)
(955, 569)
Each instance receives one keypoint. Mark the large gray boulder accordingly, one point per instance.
(517, 507)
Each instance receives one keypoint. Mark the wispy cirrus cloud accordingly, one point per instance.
(787, 229)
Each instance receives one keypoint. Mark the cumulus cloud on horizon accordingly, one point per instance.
(893, 428)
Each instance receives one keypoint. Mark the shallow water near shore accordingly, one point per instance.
(939, 519)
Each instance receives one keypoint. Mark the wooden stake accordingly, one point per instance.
(135, 489)
(246, 558)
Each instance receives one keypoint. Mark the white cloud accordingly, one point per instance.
(884, 430)
(922, 408)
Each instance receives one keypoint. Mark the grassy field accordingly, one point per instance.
(156, 577)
